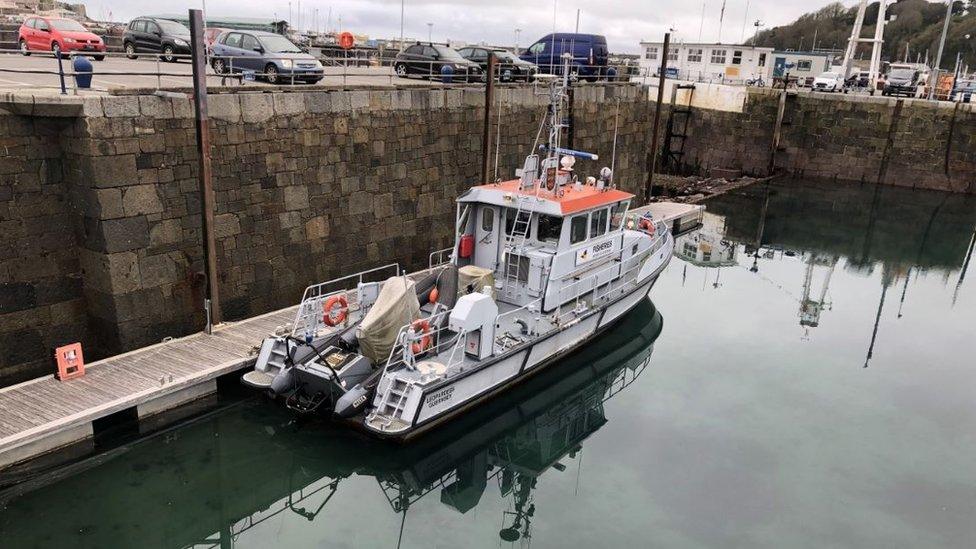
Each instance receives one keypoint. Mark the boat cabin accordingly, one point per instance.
(538, 238)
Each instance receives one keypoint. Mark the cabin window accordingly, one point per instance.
(487, 220)
(695, 55)
(598, 223)
(549, 228)
(718, 57)
(577, 229)
(617, 217)
(736, 57)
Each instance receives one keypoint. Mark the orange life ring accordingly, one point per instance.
(329, 307)
(421, 326)
(646, 225)
(346, 40)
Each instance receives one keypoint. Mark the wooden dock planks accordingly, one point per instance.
(44, 407)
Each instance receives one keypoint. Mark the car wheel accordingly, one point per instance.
(400, 69)
(130, 50)
(168, 54)
(99, 57)
(271, 73)
(219, 66)
(23, 47)
(56, 49)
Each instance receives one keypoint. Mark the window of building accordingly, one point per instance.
(651, 52)
(598, 223)
(718, 57)
(487, 220)
(548, 228)
(736, 57)
(577, 229)
(706, 256)
(695, 55)
(617, 216)
(762, 59)
(804, 65)
(672, 54)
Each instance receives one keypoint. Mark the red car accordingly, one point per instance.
(58, 35)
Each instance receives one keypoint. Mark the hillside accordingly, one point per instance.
(917, 24)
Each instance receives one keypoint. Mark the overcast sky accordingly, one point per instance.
(623, 22)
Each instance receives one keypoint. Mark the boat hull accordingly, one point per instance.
(459, 394)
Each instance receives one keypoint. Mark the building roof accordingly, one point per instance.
(572, 201)
(706, 44)
(808, 53)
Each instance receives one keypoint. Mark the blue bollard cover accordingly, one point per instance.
(447, 74)
(81, 64)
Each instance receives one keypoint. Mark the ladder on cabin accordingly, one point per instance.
(514, 245)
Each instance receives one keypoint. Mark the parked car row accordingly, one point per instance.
(587, 55)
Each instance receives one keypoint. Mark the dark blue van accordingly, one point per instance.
(589, 54)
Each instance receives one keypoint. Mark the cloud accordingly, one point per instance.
(624, 22)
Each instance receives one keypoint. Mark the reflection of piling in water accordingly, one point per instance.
(885, 282)
(965, 267)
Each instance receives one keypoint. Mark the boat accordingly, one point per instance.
(541, 265)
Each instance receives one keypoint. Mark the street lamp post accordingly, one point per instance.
(430, 31)
(517, 31)
(401, 24)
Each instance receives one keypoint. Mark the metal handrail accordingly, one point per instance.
(316, 295)
(440, 255)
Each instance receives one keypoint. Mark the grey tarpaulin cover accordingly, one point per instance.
(395, 307)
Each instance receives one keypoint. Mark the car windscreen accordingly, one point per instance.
(506, 56)
(68, 25)
(279, 44)
(448, 53)
(902, 74)
(829, 75)
(172, 27)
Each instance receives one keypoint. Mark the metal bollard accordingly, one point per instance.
(64, 90)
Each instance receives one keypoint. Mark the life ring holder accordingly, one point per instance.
(330, 306)
(421, 326)
(646, 225)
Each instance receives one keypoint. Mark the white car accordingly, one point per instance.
(829, 82)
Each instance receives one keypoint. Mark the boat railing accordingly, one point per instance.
(440, 336)
(309, 318)
(592, 284)
(440, 257)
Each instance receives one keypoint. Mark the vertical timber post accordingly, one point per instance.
(212, 304)
(489, 99)
(652, 155)
(777, 130)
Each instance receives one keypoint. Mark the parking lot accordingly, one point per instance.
(119, 72)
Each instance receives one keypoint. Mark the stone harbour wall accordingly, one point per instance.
(308, 186)
(901, 142)
(100, 232)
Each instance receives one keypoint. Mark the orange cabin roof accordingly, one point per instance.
(572, 201)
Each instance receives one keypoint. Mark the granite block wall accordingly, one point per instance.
(99, 203)
(308, 186)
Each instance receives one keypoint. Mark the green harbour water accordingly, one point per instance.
(803, 376)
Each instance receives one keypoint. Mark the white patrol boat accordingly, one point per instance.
(540, 265)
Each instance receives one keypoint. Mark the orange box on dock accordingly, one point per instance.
(71, 363)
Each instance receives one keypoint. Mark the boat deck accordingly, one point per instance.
(46, 413)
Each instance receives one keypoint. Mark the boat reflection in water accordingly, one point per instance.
(208, 484)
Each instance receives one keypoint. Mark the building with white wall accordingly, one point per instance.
(705, 62)
(807, 64)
